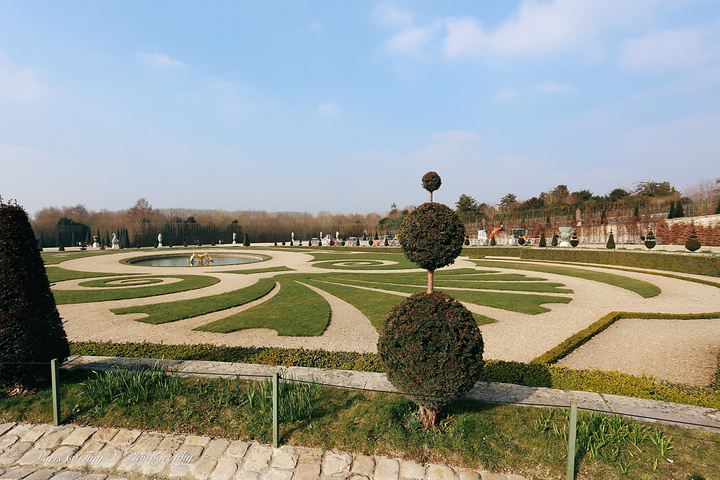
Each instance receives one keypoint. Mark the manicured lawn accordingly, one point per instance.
(374, 305)
(642, 288)
(295, 310)
(355, 261)
(57, 274)
(262, 270)
(173, 311)
(189, 282)
(53, 258)
(515, 302)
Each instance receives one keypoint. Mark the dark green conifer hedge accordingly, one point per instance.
(30, 326)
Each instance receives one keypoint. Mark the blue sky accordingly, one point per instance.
(343, 106)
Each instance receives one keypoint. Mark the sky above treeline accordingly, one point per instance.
(343, 106)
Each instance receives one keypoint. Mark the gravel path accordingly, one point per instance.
(515, 336)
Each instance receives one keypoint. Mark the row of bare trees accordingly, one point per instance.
(143, 223)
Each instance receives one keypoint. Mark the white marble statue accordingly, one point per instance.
(115, 242)
(159, 239)
(234, 238)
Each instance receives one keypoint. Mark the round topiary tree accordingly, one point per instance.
(430, 344)
(30, 326)
(431, 181)
(432, 350)
(692, 242)
(432, 236)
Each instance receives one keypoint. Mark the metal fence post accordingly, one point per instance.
(571, 441)
(55, 378)
(276, 427)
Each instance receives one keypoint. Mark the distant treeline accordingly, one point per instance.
(140, 225)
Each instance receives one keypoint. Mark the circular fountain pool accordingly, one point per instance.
(193, 260)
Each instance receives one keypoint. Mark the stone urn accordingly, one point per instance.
(565, 236)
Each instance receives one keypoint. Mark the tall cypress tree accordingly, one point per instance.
(671, 212)
(679, 213)
(717, 209)
(30, 326)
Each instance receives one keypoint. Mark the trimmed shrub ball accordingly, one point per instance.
(431, 181)
(432, 236)
(692, 243)
(432, 349)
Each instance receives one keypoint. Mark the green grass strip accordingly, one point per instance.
(53, 258)
(374, 305)
(294, 311)
(536, 287)
(448, 275)
(583, 336)
(636, 270)
(189, 282)
(57, 274)
(253, 271)
(642, 288)
(328, 260)
(172, 311)
(514, 302)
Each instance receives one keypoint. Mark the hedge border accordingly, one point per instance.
(528, 374)
(698, 264)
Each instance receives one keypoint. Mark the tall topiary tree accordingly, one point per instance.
(542, 242)
(717, 209)
(679, 212)
(30, 326)
(671, 210)
(430, 344)
(610, 242)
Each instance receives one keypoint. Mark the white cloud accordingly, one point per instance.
(21, 85)
(536, 27)
(456, 136)
(159, 60)
(507, 95)
(671, 49)
(411, 41)
(221, 87)
(559, 25)
(329, 109)
(390, 15)
(554, 88)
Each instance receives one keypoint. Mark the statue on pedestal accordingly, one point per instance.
(159, 239)
(115, 242)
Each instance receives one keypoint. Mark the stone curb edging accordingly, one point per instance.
(70, 452)
(647, 410)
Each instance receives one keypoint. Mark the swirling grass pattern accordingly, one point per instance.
(122, 282)
(187, 282)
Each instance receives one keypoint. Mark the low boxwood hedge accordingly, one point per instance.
(528, 374)
(674, 262)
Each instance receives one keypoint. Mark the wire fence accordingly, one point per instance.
(277, 377)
